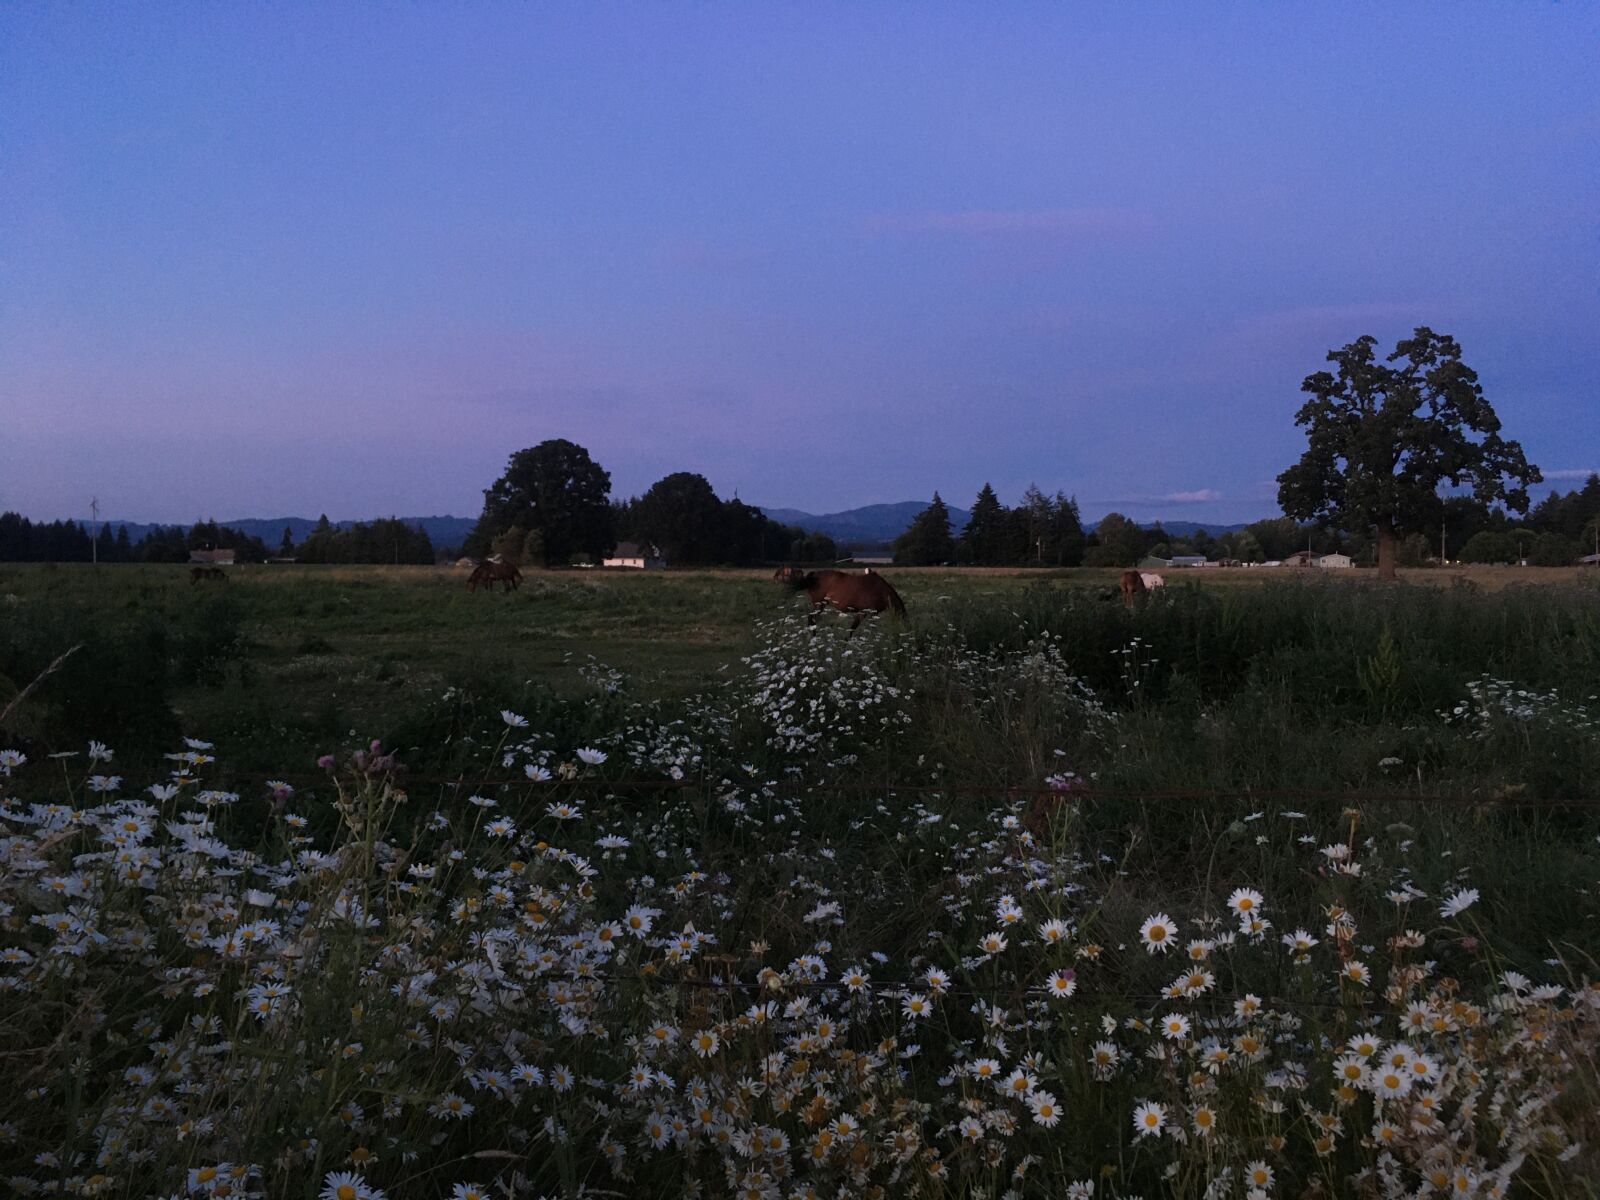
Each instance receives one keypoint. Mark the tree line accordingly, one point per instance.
(1043, 531)
(553, 507)
(22, 540)
(1398, 448)
(384, 541)
(1046, 531)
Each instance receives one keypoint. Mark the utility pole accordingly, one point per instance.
(94, 543)
(1441, 542)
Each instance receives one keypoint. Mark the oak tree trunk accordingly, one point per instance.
(1386, 540)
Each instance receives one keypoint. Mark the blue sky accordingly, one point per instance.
(267, 260)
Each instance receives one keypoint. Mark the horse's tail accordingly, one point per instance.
(895, 602)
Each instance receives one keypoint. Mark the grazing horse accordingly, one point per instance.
(1139, 583)
(196, 574)
(1132, 586)
(489, 572)
(859, 594)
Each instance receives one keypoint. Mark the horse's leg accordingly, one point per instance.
(856, 624)
(816, 611)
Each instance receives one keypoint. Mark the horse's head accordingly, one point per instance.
(784, 574)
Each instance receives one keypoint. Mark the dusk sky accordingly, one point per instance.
(268, 260)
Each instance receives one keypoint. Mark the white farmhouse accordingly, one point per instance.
(632, 554)
(1335, 561)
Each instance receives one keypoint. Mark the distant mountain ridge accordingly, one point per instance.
(873, 524)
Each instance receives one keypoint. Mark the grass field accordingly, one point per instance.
(650, 889)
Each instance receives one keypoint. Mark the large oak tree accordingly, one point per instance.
(554, 488)
(1384, 435)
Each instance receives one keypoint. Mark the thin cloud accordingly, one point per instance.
(1053, 223)
(1570, 473)
(1199, 496)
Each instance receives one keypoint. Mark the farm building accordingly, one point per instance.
(635, 556)
(218, 558)
(1151, 563)
(1191, 560)
(1302, 558)
(1335, 561)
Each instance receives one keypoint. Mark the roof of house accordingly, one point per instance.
(634, 550)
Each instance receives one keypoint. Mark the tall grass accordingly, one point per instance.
(818, 952)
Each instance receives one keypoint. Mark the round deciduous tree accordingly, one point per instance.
(1385, 435)
(683, 518)
(556, 490)
(1486, 546)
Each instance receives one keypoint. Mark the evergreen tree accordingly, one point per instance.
(286, 546)
(204, 535)
(14, 535)
(927, 542)
(983, 540)
(1068, 537)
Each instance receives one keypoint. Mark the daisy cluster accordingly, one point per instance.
(740, 984)
(1493, 704)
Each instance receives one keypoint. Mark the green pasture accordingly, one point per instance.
(1235, 679)
(1236, 728)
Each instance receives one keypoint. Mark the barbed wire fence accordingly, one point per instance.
(1348, 797)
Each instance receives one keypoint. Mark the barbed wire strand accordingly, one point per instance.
(1072, 794)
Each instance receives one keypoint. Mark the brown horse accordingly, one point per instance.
(859, 594)
(196, 574)
(1132, 586)
(490, 572)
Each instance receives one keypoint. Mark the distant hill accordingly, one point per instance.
(873, 525)
(1187, 528)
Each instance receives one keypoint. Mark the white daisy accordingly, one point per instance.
(1159, 932)
(1149, 1119)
